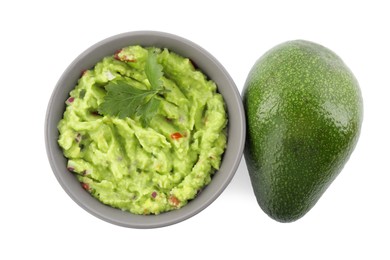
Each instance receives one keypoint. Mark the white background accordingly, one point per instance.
(38, 219)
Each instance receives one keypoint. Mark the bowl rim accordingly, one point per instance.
(171, 217)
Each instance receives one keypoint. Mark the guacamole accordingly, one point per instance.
(145, 169)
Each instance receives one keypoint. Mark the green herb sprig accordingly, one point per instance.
(124, 100)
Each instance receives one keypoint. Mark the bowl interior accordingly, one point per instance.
(205, 62)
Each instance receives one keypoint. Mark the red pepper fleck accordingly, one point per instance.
(174, 201)
(123, 58)
(176, 136)
(85, 186)
(116, 54)
(69, 100)
(70, 168)
(83, 72)
(154, 194)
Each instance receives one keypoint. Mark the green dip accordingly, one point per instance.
(145, 170)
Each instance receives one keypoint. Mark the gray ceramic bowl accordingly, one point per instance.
(209, 65)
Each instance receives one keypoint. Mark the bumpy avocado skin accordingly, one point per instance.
(304, 112)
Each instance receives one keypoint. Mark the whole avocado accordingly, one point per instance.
(304, 112)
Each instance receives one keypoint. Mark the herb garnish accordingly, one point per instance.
(124, 100)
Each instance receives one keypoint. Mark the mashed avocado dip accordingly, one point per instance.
(137, 168)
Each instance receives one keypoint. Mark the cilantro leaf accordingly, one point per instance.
(153, 70)
(123, 100)
(148, 110)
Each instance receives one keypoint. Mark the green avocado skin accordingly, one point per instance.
(304, 112)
